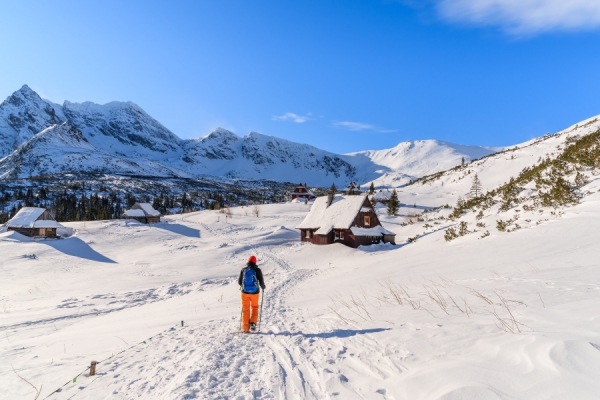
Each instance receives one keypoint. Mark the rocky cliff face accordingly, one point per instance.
(22, 115)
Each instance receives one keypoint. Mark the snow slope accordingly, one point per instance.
(412, 159)
(446, 187)
(332, 324)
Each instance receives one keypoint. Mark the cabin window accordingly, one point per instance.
(367, 220)
(307, 234)
(337, 235)
(341, 235)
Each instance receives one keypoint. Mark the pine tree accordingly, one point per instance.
(333, 189)
(476, 186)
(462, 163)
(371, 189)
(393, 204)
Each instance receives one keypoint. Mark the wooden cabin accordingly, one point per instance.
(142, 212)
(34, 222)
(303, 192)
(350, 220)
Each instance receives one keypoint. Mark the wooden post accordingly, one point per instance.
(93, 368)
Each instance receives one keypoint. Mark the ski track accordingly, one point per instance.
(215, 361)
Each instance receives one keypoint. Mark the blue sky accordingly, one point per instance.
(340, 75)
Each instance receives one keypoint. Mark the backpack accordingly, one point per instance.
(249, 280)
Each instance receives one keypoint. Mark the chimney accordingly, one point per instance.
(329, 198)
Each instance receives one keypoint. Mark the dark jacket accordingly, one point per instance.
(259, 276)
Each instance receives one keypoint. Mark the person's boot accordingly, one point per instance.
(252, 327)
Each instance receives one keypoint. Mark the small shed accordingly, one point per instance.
(142, 212)
(34, 222)
(350, 220)
(303, 192)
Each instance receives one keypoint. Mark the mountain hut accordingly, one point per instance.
(350, 220)
(303, 192)
(34, 222)
(142, 212)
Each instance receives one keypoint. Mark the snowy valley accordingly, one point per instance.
(464, 306)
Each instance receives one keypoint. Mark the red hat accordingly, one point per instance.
(252, 259)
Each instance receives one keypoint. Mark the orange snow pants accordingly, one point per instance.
(249, 310)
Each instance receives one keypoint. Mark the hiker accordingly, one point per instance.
(250, 279)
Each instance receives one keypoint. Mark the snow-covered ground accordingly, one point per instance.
(332, 324)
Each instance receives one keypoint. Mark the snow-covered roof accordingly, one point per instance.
(374, 231)
(149, 210)
(339, 215)
(382, 195)
(134, 213)
(307, 193)
(27, 217)
(142, 210)
(46, 223)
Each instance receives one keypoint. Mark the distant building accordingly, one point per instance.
(383, 197)
(34, 222)
(303, 192)
(142, 212)
(352, 189)
(350, 220)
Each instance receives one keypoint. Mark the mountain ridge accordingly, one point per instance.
(124, 130)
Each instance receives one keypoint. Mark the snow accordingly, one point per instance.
(114, 285)
(47, 224)
(338, 215)
(134, 213)
(149, 210)
(382, 195)
(374, 231)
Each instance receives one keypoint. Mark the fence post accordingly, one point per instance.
(93, 368)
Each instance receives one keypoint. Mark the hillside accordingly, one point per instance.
(64, 308)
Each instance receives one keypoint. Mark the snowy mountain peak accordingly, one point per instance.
(22, 115)
(220, 134)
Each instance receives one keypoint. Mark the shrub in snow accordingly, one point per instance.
(450, 234)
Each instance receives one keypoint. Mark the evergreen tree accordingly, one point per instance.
(462, 163)
(476, 186)
(393, 204)
(371, 189)
(333, 189)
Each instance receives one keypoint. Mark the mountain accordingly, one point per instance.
(123, 128)
(120, 138)
(64, 149)
(412, 159)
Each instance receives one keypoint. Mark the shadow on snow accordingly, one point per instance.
(338, 333)
(77, 248)
(178, 229)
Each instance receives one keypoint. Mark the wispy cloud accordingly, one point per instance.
(292, 117)
(523, 17)
(359, 126)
